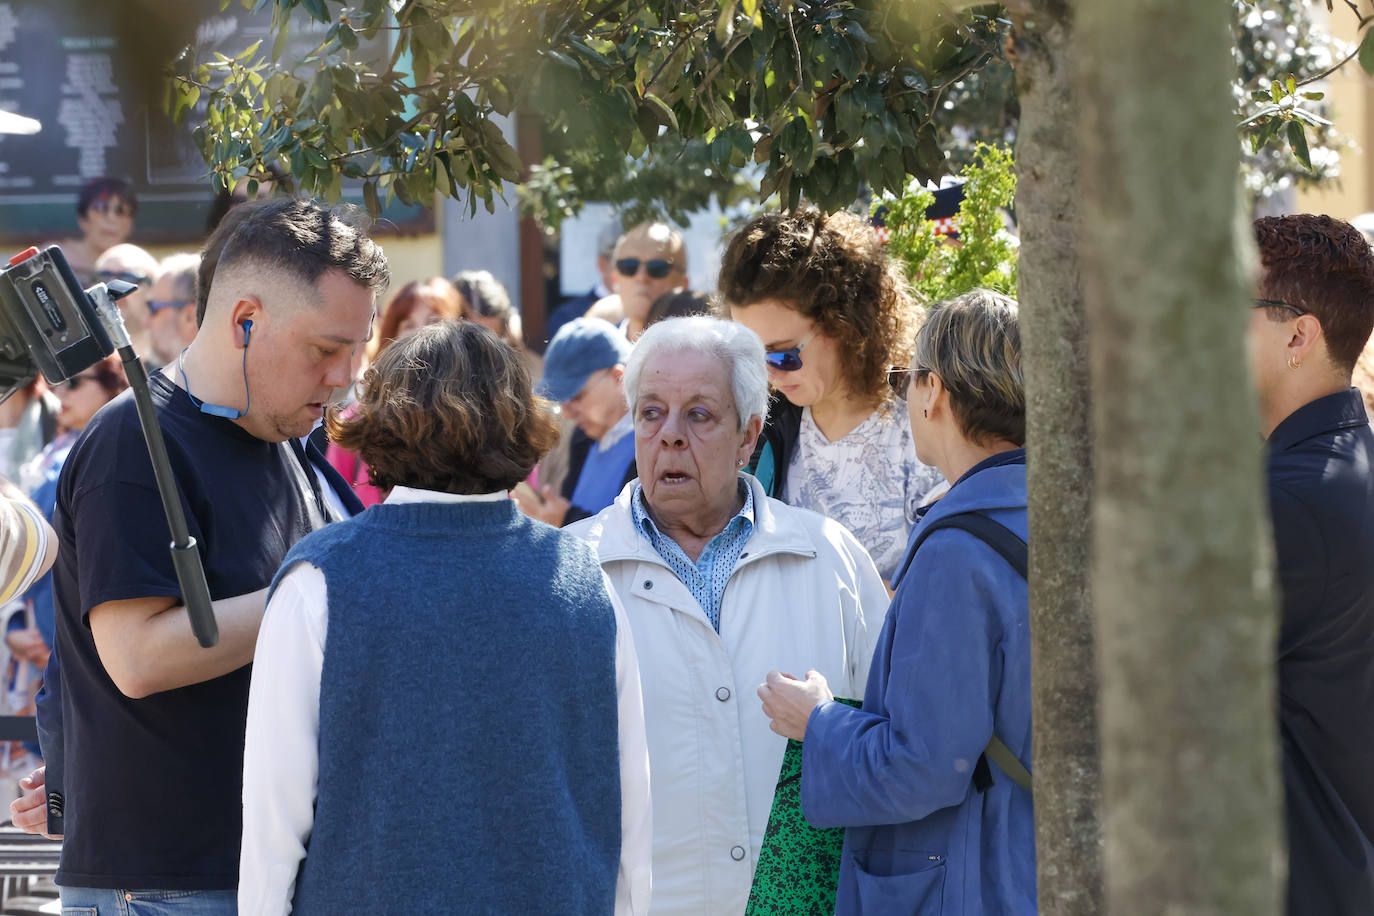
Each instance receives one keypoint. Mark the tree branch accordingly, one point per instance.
(1330, 70)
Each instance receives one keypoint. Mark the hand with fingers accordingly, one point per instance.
(29, 811)
(545, 506)
(788, 701)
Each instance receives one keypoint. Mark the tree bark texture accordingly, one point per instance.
(1186, 619)
(1059, 477)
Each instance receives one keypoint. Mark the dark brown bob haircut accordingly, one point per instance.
(448, 408)
(1324, 267)
(831, 268)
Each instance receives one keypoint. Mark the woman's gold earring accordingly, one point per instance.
(1294, 362)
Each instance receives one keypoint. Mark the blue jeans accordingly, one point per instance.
(100, 901)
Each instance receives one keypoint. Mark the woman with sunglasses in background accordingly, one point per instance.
(834, 315)
(105, 211)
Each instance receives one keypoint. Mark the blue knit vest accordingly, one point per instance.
(469, 757)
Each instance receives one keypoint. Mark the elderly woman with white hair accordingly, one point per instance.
(720, 582)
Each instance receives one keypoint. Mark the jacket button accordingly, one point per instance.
(722, 693)
(737, 853)
(648, 583)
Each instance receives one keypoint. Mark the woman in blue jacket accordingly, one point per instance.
(933, 826)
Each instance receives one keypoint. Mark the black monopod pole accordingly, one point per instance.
(185, 555)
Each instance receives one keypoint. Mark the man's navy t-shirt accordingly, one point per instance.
(154, 786)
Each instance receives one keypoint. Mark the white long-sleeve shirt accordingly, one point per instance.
(281, 750)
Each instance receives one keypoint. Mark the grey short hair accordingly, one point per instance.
(973, 343)
(181, 268)
(737, 347)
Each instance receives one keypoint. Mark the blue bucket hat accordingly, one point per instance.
(581, 347)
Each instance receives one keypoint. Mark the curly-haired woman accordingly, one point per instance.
(834, 315)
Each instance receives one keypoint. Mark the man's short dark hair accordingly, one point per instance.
(1325, 267)
(300, 238)
(98, 188)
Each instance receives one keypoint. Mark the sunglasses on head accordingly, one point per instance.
(900, 377)
(788, 360)
(157, 305)
(127, 276)
(1279, 304)
(658, 268)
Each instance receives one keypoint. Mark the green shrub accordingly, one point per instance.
(986, 252)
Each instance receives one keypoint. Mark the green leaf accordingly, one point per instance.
(1297, 138)
(248, 52)
(1292, 84)
(849, 114)
(661, 111)
(853, 28)
(316, 9)
(725, 23)
(1367, 51)
(334, 191)
(374, 206)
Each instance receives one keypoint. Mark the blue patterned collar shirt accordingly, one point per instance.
(707, 577)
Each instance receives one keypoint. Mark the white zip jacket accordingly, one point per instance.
(804, 594)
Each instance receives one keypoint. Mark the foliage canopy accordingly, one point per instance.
(824, 95)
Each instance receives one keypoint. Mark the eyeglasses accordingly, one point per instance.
(658, 268)
(116, 207)
(157, 305)
(127, 276)
(900, 377)
(788, 360)
(1279, 304)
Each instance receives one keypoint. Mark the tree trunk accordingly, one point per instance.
(1059, 477)
(1185, 625)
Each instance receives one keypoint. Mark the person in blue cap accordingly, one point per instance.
(584, 371)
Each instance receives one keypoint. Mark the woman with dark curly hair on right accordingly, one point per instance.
(834, 315)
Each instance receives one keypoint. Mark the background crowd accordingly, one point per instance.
(715, 515)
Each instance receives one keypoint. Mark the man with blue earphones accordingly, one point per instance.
(154, 723)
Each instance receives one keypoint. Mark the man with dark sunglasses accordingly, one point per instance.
(649, 260)
(171, 307)
(1311, 320)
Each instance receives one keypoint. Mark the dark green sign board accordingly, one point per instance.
(65, 63)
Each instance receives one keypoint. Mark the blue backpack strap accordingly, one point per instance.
(1014, 550)
(996, 535)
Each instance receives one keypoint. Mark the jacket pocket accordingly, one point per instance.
(900, 883)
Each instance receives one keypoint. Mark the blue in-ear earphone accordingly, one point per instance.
(219, 410)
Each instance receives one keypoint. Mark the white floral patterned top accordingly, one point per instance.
(868, 480)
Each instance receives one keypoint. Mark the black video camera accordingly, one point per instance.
(48, 323)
